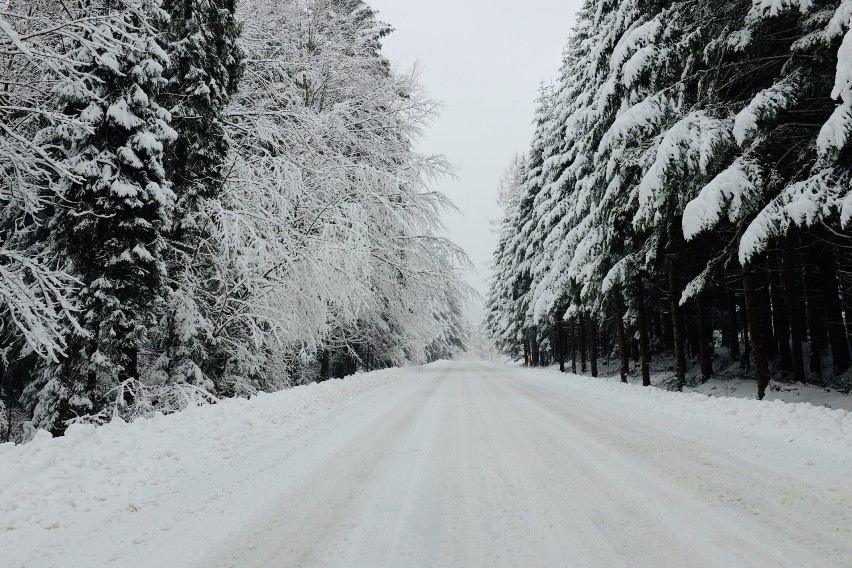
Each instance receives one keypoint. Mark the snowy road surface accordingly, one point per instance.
(454, 464)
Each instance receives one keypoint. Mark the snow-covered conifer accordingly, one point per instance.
(116, 206)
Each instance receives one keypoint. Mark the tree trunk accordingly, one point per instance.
(133, 363)
(621, 336)
(834, 313)
(573, 346)
(844, 265)
(657, 320)
(325, 365)
(848, 316)
(535, 348)
(816, 316)
(770, 345)
(733, 325)
(560, 343)
(633, 344)
(642, 323)
(593, 344)
(582, 342)
(761, 366)
(352, 362)
(687, 312)
(780, 320)
(5, 400)
(844, 269)
(788, 276)
(668, 332)
(677, 328)
(705, 346)
(746, 358)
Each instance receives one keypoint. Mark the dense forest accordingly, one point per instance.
(204, 199)
(685, 200)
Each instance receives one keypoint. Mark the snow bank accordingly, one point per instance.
(145, 485)
(792, 421)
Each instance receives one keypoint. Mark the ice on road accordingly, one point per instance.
(472, 464)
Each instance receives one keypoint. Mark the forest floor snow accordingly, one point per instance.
(731, 380)
(452, 464)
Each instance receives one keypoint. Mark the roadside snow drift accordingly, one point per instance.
(157, 492)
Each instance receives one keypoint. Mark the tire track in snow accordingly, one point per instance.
(476, 465)
(747, 504)
(319, 517)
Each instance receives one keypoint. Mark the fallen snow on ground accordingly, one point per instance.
(731, 381)
(452, 464)
(158, 491)
(809, 423)
(784, 392)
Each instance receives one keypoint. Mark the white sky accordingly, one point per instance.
(485, 60)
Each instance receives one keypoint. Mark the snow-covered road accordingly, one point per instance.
(459, 464)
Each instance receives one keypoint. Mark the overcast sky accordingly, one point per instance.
(485, 60)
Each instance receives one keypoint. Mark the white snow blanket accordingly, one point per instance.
(453, 464)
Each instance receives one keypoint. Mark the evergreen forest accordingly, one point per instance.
(684, 205)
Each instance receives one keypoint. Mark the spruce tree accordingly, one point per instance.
(117, 208)
(204, 72)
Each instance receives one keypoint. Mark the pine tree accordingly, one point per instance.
(118, 208)
(204, 72)
(672, 120)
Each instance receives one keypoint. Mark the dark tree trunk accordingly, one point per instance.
(535, 348)
(133, 363)
(705, 338)
(633, 344)
(848, 310)
(746, 358)
(801, 306)
(573, 346)
(325, 365)
(677, 328)
(621, 336)
(846, 291)
(761, 366)
(6, 400)
(834, 313)
(560, 341)
(816, 316)
(844, 266)
(770, 345)
(668, 331)
(791, 288)
(691, 327)
(593, 344)
(642, 324)
(656, 318)
(733, 325)
(780, 311)
(582, 342)
(91, 382)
